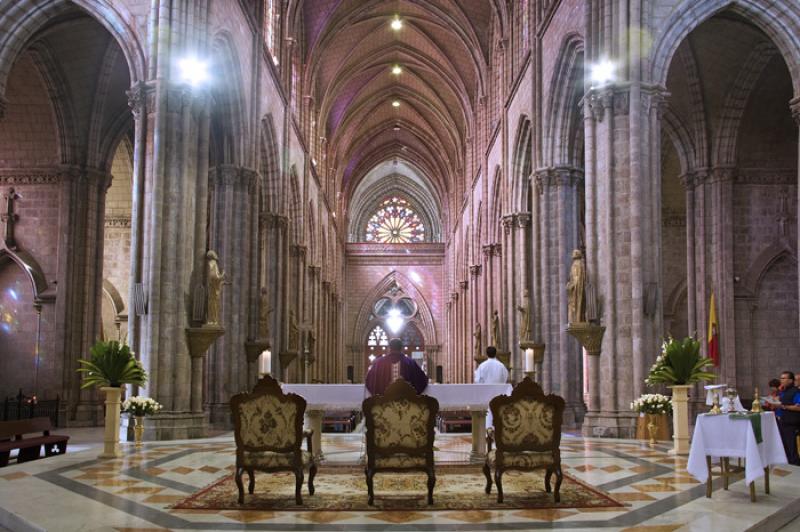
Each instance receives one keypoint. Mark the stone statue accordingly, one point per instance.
(311, 342)
(294, 333)
(496, 338)
(214, 281)
(264, 310)
(576, 289)
(477, 335)
(525, 320)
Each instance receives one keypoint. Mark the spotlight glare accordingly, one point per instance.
(396, 24)
(397, 70)
(193, 71)
(396, 103)
(603, 73)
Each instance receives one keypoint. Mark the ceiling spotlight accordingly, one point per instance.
(193, 71)
(603, 73)
(396, 23)
(397, 70)
(396, 103)
(396, 128)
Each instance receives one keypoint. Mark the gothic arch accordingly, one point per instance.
(681, 140)
(496, 208)
(295, 207)
(424, 320)
(32, 270)
(269, 167)
(566, 89)
(781, 23)
(21, 20)
(521, 165)
(751, 281)
(228, 125)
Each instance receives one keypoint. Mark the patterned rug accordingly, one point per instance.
(344, 488)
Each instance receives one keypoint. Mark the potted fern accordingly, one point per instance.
(110, 366)
(680, 365)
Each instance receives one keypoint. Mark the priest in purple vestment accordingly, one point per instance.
(394, 365)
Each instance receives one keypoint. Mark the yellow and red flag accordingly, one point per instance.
(713, 332)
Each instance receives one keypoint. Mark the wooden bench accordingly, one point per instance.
(29, 448)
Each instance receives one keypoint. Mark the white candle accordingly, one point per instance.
(265, 362)
(529, 360)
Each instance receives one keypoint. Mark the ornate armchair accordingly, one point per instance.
(268, 428)
(527, 431)
(400, 433)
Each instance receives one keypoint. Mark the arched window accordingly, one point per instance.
(395, 223)
(271, 25)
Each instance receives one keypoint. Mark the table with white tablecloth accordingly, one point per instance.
(723, 437)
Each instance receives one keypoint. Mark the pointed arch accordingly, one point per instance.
(365, 318)
(269, 167)
(564, 112)
(229, 128)
(32, 270)
(520, 165)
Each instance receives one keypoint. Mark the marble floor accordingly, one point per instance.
(135, 493)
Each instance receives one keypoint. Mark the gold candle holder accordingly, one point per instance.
(715, 409)
(756, 406)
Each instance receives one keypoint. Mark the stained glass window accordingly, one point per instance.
(395, 223)
(378, 337)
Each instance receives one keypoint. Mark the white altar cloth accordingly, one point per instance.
(721, 436)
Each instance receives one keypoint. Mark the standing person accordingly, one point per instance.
(789, 416)
(491, 371)
(394, 365)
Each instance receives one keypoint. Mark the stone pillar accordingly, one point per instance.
(559, 202)
(794, 105)
(720, 185)
(625, 224)
(510, 297)
(520, 280)
(173, 246)
(234, 202)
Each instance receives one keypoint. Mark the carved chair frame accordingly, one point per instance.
(268, 386)
(526, 389)
(399, 390)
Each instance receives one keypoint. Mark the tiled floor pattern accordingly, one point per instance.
(79, 492)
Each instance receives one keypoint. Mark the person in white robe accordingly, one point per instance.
(491, 371)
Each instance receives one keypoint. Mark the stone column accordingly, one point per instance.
(465, 362)
(559, 201)
(173, 247)
(234, 202)
(794, 105)
(510, 297)
(626, 222)
(520, 280)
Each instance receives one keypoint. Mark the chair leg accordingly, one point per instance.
(559, 478)
(487, 472)
(312, 472)
(547, 476)
(251, 486)
(431, 484)
(498, 479)
(298, 486)
(240, 484)
(370, 491)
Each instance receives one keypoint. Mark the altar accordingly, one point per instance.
(345, 397)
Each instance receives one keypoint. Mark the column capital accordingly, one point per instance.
(463, 284)
(794, 105)
(453, 296)
(271, 220)
(475, 270)
(508, 222)
(523, 219)
(229, 176)
(314, 269)
(140, 98)
(299, 250)
(722, 174)
(487, 250)
(558, 176)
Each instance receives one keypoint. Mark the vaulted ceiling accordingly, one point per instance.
(350, 49)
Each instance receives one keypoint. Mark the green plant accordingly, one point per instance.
(680, 362)
(112, 364)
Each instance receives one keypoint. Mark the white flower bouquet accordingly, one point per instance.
(652, 403)
(141, 406)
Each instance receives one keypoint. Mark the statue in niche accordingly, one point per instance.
(264, 310)
(576, 289)
(215, 278)
(525, 320)
(294, 333)
(477, 335)
(496, 338)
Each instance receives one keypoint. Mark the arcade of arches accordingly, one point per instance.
(348, 173)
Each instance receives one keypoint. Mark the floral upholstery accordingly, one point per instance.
(526, 422)
(401, 423)
(400, 461)
(267, 459)
(268, 422)
(523, 459)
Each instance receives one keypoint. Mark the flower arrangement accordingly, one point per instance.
(680, 362)
(141, 406)
(652, 403)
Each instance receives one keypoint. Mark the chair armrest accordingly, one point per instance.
(307, 434)
(489, 438)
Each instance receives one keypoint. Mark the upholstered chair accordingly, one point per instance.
(527, 431)
(268, 428)
(400, 433)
